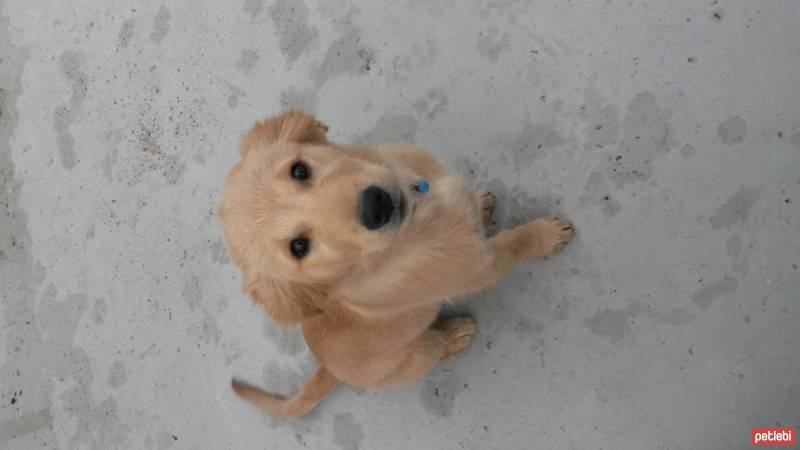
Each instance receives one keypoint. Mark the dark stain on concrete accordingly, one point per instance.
(597, 192)
(733, 246)
(253, 7)
(616, 323)
(346, 55)
(22, 369)
(492, 43)
(610, 323)
(735, 210)
(439, 393)
(391, 128)
(601, 119)
(99, 311)
(193, 292)
(218, 253)
(530, 142)
(795, 139)
(247, 61)
(287, 340)
(64, 116)
(704, 296)
(526, 329)
(347, 433)
(733, 130)
(433, 104)
(646, 137)
(117, 374)
(125, 34)
(160, 25)
(295, 34)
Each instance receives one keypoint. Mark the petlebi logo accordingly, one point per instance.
(772, 437)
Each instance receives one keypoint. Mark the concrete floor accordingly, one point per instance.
(668, 131)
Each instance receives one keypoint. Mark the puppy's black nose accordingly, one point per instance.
(374, 207)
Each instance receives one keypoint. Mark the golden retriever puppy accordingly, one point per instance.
(361, 246)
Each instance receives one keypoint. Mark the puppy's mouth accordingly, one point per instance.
(400, 207)
(409, 201)
(406, 202)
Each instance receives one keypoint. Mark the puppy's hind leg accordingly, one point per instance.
(440, 341)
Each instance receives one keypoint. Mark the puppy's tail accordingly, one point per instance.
(316, 387)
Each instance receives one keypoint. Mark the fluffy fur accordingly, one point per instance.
(367, 300)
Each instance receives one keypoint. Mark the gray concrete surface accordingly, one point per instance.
(668, 131)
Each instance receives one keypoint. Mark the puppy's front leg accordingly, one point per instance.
(542, 237)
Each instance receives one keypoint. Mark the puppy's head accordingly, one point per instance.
(297, 212)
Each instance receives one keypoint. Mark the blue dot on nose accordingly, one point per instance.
(423, 186)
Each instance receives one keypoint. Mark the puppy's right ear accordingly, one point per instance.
(290, 126)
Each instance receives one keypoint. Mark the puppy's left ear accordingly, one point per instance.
(290, 126)
(287, 302)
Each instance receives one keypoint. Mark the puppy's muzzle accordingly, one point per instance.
(375, 207)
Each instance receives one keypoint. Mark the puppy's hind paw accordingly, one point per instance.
(322, 126)
(459, 331)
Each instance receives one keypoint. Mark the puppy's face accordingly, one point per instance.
(306, 212)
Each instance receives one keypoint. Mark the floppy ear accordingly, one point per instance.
(287, 302)
(290, 126)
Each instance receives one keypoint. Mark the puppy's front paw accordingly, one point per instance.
(547, 236)
(487, 207)
(459, 331)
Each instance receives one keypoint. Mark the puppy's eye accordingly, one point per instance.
(299, 247)
(300, 171)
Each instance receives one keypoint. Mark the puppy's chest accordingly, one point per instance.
(450, 200)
